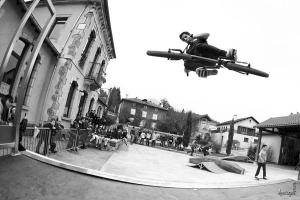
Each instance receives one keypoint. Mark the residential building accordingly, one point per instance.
(282, 136)
(142, 113)
(203, 124)
(71, 65)
(244, 132)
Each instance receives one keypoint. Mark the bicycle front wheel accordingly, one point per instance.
(248, 70)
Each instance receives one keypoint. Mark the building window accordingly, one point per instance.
(145, 107)
(97, 54)
(246, 139)
(155, 109)
(144, 114)
(13, 65)
(87, 48)
(153, 125)
(154, 117)
(132, 111)
(255, 141)
(70, 97)
(134, 104)
(58, 28)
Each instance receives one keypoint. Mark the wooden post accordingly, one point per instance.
(280, 150)
(299, 175)
(258, 145)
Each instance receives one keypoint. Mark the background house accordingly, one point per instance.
(244, 132)
(203, 124)
(142, 113)
(282, 135)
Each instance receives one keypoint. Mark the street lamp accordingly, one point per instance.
(230, 136)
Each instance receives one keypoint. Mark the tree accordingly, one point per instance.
(165, 103)
(230, 138)
(188, 130)
(114, 99)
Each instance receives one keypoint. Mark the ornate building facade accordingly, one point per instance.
(71, 65)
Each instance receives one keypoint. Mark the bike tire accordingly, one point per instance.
(169, 55)
(248, 70)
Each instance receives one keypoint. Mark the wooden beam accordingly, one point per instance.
(280, 150)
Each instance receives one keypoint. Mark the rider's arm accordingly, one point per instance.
(202, 36)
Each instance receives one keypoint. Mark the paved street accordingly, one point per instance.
(27, 179)
(153, 166)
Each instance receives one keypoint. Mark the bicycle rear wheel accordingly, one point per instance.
(248, 70)
(169, 55)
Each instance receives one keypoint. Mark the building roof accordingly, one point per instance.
(274, 122)
(198, 117)
(237, 120)
(147, 103)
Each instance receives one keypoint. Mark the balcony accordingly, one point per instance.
(91, 80)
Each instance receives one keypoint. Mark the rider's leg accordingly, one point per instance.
(210, 51)
(213, 52)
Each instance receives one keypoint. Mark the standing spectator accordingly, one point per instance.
(261, 162)
(148, 137)
(193, 147)
(5, 106)
(132, 135)
(153, 139)
(44, 138)
(23, 126)
(170, 141)
(142, 137)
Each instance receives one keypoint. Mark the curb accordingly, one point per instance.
(146, 182)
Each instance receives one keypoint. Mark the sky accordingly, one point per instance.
(265, 33)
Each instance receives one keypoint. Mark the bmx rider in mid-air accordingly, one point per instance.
(198, 46)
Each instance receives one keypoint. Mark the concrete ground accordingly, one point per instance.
(91, 158)
(165, 167)
(27, 179)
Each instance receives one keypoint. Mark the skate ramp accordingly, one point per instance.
(212, 167)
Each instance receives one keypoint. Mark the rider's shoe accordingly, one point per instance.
(205, 73)
(232, 55)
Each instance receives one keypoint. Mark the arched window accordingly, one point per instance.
(70, 97)
(87, 48)
(91, 104)
(82, 102)
(31, 80)
(13, 65)
(97, 54)
(99, 111)
(101, 69)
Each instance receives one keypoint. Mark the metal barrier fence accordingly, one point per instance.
(5, 151)
(39, 140)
